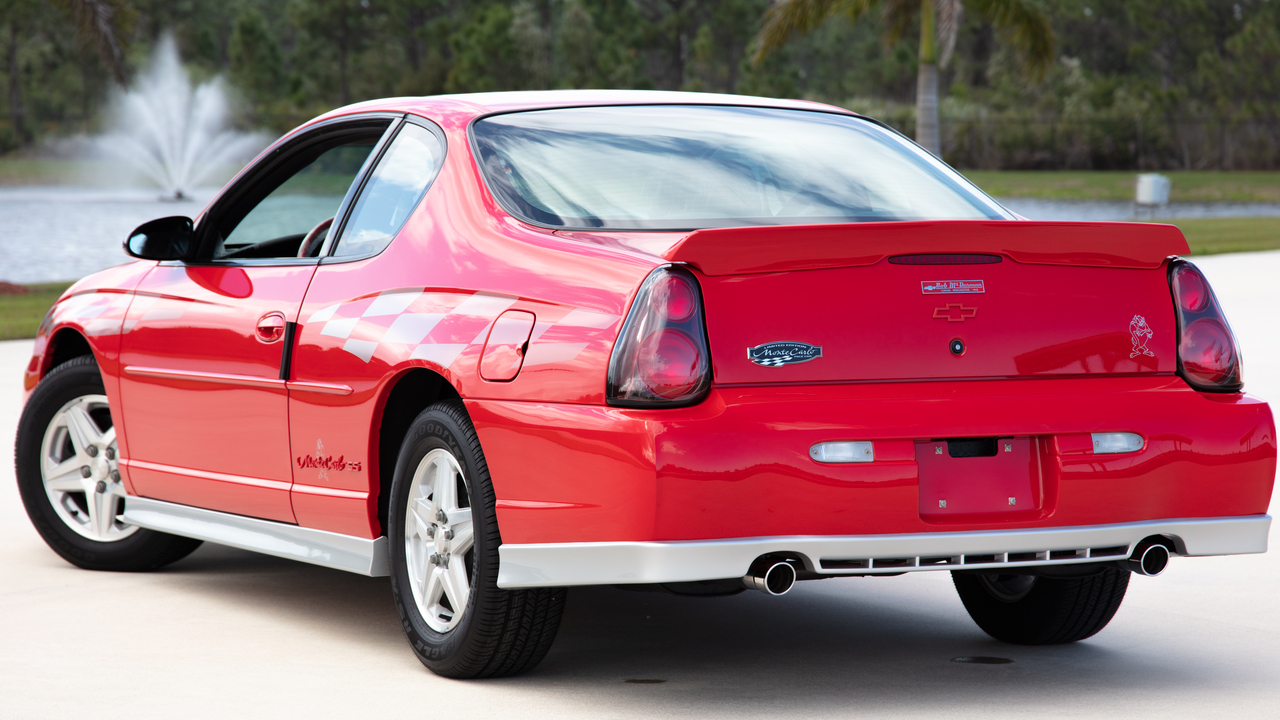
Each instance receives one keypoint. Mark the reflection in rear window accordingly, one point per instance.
(677, 167)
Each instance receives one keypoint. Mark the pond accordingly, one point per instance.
(63, 233)
(60, 233)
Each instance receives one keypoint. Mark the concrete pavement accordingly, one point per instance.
(230, 633)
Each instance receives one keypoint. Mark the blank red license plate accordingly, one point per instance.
(978, 481)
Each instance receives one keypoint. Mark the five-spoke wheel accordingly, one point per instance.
(444, 557)
(80, 472)
(438, 540)
(69, 476)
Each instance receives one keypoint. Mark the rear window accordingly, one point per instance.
(677, 167)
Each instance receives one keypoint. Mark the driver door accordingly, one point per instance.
(205, 343)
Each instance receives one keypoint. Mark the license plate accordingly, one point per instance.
(964, 477)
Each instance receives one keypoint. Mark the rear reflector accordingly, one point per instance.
(843, 452)
(1115, 443)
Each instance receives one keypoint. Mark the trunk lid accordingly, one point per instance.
(905, 301)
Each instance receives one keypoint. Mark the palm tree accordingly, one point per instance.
(1019, 22)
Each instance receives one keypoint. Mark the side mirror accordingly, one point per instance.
(164, 239)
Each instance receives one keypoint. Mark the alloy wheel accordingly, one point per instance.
(80, 468)
(438, 539)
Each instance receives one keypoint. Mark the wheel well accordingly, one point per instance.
(414, 392)
(66, 344)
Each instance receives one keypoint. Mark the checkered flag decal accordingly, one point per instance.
(440, 326)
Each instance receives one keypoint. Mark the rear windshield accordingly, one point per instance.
(679, 167)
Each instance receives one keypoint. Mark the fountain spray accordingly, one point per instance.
(172, 133)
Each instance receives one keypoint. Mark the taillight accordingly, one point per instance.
(661, 357)
(1208, 356)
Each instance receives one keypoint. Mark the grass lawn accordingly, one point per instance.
(20, 315)
(1210, 236)
(1187, 186)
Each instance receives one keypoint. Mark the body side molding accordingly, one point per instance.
(319, 547)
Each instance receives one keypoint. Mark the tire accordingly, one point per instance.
(67, 418)
(496, 633)
(1032, 610)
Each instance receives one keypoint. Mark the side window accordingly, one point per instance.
(394, 189)
(310, 197)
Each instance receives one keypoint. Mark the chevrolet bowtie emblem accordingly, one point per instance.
(955, 312)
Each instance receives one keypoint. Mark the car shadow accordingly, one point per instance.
(818, 649)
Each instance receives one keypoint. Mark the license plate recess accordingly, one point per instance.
(968, 476)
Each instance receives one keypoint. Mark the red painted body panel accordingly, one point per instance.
(93, 308)
(428, 301)
(875, 323)
(737, 465)
(223, 444)
(1048, 360)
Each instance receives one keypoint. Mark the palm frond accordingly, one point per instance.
(105, 25)
(787, 18)
(1024, 25)
(898, 17)
(949, 12)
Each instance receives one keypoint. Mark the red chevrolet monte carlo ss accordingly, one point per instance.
(497, 345)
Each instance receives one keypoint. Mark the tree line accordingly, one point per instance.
(1127, 83)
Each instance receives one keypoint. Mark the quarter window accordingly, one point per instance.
(392, 192)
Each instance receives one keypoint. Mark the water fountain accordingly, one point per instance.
(172, 133)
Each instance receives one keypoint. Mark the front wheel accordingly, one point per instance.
(69, 479)
(444, 558)
(1032, 610)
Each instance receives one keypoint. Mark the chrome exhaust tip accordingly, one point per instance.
(1150, 557)
(772, 577)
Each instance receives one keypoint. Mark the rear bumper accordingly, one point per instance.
(556, 564)
(738, 466)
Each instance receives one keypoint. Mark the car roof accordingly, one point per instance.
(476, 104)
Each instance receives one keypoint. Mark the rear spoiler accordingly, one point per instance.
(742, 251)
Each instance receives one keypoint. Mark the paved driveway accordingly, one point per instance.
(227, 633)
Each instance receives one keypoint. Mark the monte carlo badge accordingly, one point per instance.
(775, 354)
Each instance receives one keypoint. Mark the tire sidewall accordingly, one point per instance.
(438, 428)
(63, 384)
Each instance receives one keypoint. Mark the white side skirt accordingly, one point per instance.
(343, 552)
(599, 563)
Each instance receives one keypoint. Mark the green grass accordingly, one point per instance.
(20, 315)
(1187, 186)
(1210, 236)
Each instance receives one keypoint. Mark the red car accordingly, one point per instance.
(498, 345)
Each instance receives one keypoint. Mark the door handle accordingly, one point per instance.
(271, 327)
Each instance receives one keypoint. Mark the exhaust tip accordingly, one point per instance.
(772, 577)
(1149, 558)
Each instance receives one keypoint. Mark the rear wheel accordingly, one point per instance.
(444, 558)
(66, 462)
(1032, 610)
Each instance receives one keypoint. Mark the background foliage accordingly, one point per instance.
(1151, 84)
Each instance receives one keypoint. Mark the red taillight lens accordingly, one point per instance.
(669, 363)
(1208, 357)
(1208, 354)
(1192, 290)
(675, 297)
(661, 356)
